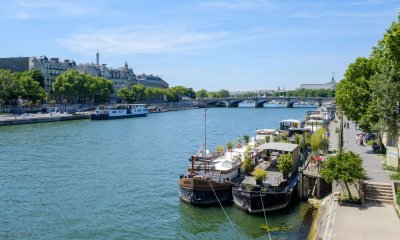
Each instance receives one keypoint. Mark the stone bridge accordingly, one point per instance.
(259, 101)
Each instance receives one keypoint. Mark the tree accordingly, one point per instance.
(247, 161)
(259, 174)
(316, 139)
(353, 92)
(201, 94)
(285, 163)
(345, 167)
(123, 93)
(1, 104)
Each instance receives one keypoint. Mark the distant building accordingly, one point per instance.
(327, 86)
(51, 68)
(151, 81)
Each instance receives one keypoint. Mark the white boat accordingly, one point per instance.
(120, 111)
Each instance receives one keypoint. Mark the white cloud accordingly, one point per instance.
(42, 9)
(125, 41)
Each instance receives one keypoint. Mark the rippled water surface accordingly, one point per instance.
(119, 179)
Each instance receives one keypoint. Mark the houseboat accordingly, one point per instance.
(276, 191)
(120, 111)
(210, 181)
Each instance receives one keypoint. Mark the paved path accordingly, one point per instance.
(372, 221)
(373, 163)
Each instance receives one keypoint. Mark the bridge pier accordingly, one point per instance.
(289, 104)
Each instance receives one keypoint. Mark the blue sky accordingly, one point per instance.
(230, 44)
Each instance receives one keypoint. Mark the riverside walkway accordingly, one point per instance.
(371, 221)
(373, 163)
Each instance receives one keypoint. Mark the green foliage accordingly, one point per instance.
(201, 94)
(220, 149)
(398, 197)
(345, 166)
(307, 93)
(267, 139)
(297, 138)
(324, 144)
(246, 139)
(27, 85)
(285, 163)
(316, 139)
(229, 145)
(259, 174)
(219, 94)
(395, 176)
(247, 161)
(371, 142)
(79, 87)
(371, 88)
(276, 138)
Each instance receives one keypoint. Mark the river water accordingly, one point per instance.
(119, 179)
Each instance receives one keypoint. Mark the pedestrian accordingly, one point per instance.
(348, 125)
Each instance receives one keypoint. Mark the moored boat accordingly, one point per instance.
(276, 191)
(120, 111)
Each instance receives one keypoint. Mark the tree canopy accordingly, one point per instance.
(345, 166)
(370, 90)
(79, 87)
(25, 84)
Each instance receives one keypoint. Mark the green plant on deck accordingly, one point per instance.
(276, 139)
(284, 141)
(229, 146)
(248, 167)
(285, 163)
(267, 139)
(246, 139)
(297, 138)
(259, 174)
(220, 149)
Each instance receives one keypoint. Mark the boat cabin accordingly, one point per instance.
(289, 123)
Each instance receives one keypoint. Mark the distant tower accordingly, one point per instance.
(333, 78)
(126, 65)
(97, 58)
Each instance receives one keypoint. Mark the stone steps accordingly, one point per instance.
(378, 192)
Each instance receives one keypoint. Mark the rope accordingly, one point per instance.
(265, 216)
(226, 215)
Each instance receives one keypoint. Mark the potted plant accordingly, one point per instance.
(260, 175)
(285, 164)
(267, 139)
(239, 142)
(246, 139)
(229, 146)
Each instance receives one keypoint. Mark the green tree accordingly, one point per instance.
(353, 93)
(201, 94)
(285, 163)
(247, 161)
(345, 167)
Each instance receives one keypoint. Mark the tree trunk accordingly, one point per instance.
(348, 190)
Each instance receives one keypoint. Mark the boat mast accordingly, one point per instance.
(205, 142)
